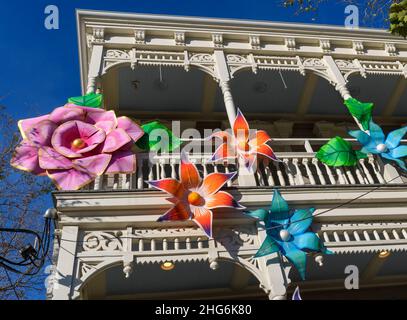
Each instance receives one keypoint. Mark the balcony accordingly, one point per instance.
(298, 167)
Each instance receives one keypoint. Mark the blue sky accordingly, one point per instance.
(40, 68)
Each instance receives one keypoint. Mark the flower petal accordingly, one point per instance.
(214, 181)
(83, 108)
(49, 159)
(279, 207)
(399, 152)
(224, 151)
(65, 114)
(308, 240)
(103, 120)
(369, 145)
(115, 140)
(260, 138)
(241, 127)
(249, 159)
(221, 199)
(26, 124)
(297, 257)
(170, 186)
(176, 213)
(203, 218)
(189, 174)
(268, 246)
(131, 128)
(71, 130)
(400, 162)
(260, 214)
(376, 133)
(93, 165)
(122, 162)
(300, 221)
(25, 158)
(223, 135)
(394, 137)
(367, 150)
(363, 138)
(41, 133)
(70, 179)
(266, 151)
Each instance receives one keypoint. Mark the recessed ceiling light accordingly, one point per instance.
(135, 84)
(167, 266)
(384, 254)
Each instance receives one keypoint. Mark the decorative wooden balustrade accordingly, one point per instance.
(298, 166)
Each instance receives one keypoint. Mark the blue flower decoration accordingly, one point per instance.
(287, 232)
(377, 143)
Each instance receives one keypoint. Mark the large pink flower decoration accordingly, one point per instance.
(74, 144)
(243, 144)
(194, 198)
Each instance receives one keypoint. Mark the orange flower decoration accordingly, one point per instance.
(195, 198)
(243, 144)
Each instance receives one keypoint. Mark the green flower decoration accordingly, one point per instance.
(154, 132)
(361, 111)
(93, 100)
(288, 232)
(388, 147)
(338, 152)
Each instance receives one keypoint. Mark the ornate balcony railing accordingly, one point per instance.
(298, 167)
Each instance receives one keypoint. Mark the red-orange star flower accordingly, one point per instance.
(195, 198)
(243, 144)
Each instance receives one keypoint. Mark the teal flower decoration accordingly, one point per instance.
(377, 143)
(288, 232)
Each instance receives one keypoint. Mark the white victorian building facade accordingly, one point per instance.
(288, 79)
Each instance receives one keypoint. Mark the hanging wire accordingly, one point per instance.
(282, 79)
(32, 257)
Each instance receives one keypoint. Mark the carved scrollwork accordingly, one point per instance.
(233, 239)
(235, 58)
(201, 58)
(102, 241)
(345, 64)
(117, 54)
(313, 63)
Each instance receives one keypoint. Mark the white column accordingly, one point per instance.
(94, 67)
(337, 77)
(65, 272)
(223, 75)
(246, 178)
(274, 273)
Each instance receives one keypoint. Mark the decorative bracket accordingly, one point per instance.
(255, 42)
(179, 37)
(290, 44)
(139, 36)
(390, 49)
(98, 35)
(325, 45)
(358, 47)
(217, 39)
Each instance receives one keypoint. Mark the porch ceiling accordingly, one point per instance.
(149, 278)
(148, 92)
(195, 279)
